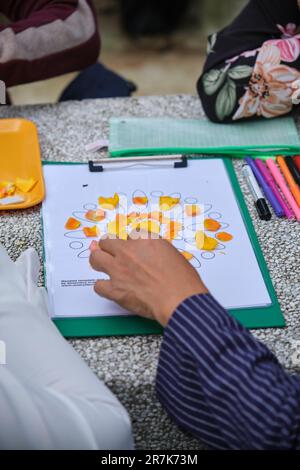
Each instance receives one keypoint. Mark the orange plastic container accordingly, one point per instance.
(20, 157)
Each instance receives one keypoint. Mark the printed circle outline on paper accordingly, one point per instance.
(156, 194)
(87, 251)
(76, 245)
(207, 207)
(191, 200)
(90, 207)
(215, 215)
(207, 255)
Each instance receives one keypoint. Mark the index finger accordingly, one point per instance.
(102, 261)
(111, 245)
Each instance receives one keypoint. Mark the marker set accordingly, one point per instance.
(279, 185)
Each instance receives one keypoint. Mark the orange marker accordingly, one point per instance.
(289, 179)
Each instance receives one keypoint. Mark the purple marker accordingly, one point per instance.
(271, 182)
(265, 187)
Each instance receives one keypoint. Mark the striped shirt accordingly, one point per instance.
(222, 385)
(46, 38)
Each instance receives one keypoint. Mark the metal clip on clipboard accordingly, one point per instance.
(164, 161)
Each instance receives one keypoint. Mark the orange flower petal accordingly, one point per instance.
(224, 236)
(72, 224)
(91, 231)
(192, 210)
(211, 225)
(188, 256)
(140, 200)
(95, 216)
(7, 188)
(172, 230)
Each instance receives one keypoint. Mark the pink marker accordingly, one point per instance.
(283, 186)
(271, 182)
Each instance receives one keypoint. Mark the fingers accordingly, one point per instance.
(102, 261)
(104, 289)
(111, 245)
(142, 235)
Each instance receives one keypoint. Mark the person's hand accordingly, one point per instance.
(148, 277)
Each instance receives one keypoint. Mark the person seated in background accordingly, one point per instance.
(47, 38)
(214, 378)
(253, 65)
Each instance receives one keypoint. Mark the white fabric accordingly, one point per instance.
(49, 398)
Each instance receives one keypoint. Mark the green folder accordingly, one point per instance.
(263, 317)
(156, 136)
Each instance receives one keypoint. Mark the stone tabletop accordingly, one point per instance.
(128, 364)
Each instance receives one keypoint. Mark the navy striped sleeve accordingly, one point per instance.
(222, 385)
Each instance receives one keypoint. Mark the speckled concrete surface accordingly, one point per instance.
(128, 364)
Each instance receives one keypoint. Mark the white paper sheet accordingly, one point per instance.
(231, 272)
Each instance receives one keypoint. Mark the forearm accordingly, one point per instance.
(35, 417)
(47, 38)
(219, 383)
(49, 398)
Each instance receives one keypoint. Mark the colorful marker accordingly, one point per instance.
(295, 190)
(275, 199)
(260, 203)
(265, 187)
(282, 185)
(293, 169)
(297, 161)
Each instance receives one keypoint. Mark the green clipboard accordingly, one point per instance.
(262, 317)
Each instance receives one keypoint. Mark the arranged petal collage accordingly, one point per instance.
(170, 217)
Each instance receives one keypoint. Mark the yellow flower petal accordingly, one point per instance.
(166, 203)
(25, 185)
(203, 242)
(159, 216)
(151, 226)
(117, 230)
(118, 226)
(7, 188)
(109, 203)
